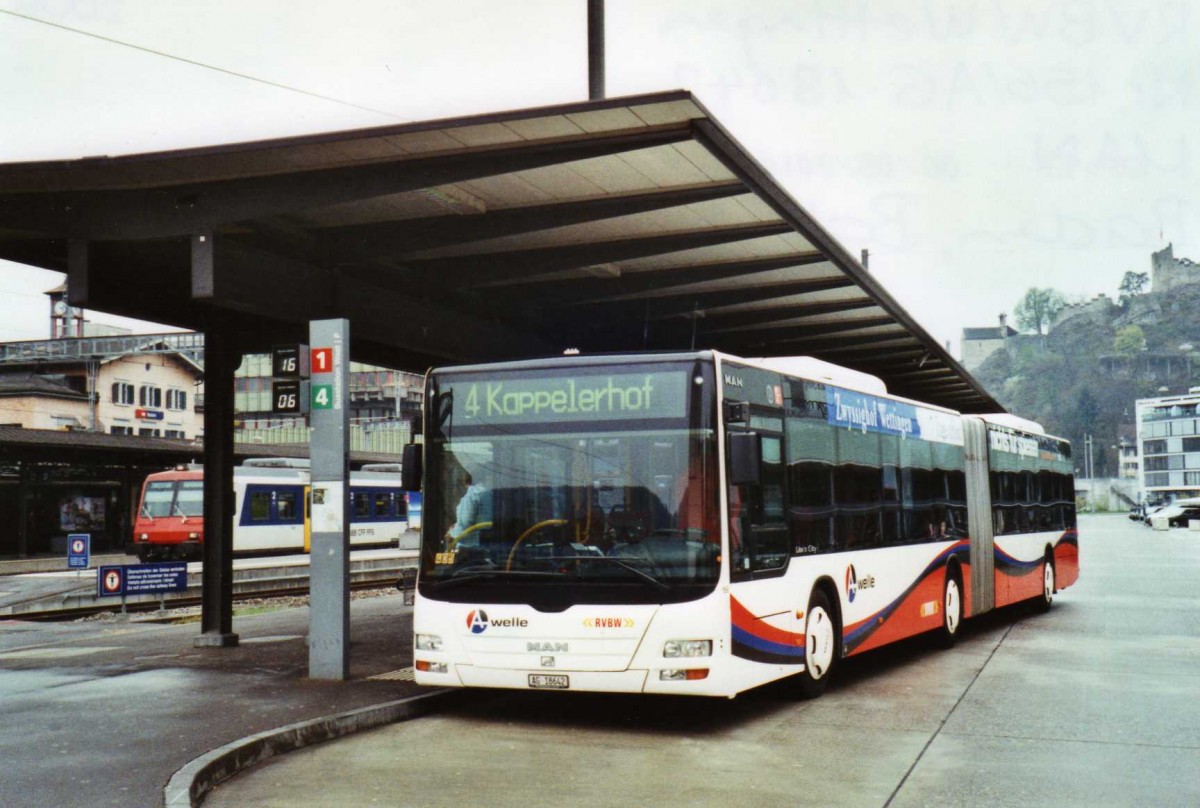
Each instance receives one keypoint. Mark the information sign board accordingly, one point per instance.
(141, 579)
(289, 396)
(289, 361)
(79, 548)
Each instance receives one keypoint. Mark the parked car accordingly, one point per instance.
(1178, 513)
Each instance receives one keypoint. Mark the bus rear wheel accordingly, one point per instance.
(821, 647)
(1047, 597)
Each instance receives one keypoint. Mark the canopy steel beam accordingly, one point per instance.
(388, 240)
(724, 321)
(686, 303)
(486, 268)
(803, 330)
(577, 289)
(188, 208)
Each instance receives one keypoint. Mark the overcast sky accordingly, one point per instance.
(976, 148)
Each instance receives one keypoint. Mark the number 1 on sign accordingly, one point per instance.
(322, 360)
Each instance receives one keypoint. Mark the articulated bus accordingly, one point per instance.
(695, 523)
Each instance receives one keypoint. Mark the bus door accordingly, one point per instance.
(308, 518)
(760, 543)
(979, 516)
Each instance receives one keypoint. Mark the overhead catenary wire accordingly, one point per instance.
(195, 63)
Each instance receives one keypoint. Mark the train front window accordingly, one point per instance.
(533, 499)
(157, 500)
(189, 499)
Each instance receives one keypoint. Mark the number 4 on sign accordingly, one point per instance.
(322, 396)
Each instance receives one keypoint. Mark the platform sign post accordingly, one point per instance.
(329, 572)
(79, 550)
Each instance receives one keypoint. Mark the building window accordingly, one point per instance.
(121, 430)
(1154, 447)
(1158, 480)
(122, 393)
(174, 433)
(150, 395)
(176, 400)
(1156, 464)
(146, 432)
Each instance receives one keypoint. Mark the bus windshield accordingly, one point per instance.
(582, 485)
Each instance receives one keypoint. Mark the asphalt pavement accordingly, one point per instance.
(1093, 705)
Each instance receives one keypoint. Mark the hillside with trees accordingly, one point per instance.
(1082, 374)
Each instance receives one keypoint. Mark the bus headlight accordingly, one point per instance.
(687, 648)
(426, 666)
(428, 642)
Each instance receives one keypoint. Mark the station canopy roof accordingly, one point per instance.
(623, 224)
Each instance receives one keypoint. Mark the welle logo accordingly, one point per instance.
(478, 622)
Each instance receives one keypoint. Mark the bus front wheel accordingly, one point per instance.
(821, 645)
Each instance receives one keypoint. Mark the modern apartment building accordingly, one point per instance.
(1168, 441)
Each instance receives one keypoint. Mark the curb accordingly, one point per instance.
(188, 786)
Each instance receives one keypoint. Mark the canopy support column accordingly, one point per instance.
(221, 359)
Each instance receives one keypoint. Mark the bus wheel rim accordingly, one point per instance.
(820, 642)
(1048, 581)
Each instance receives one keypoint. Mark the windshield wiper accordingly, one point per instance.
(623, 564)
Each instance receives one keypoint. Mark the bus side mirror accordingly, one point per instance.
(745, 458)
(410, 470)
(737, 412)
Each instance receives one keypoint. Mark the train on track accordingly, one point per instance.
(272, 510)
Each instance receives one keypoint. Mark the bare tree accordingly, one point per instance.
(1038, 308)
(1133, 283)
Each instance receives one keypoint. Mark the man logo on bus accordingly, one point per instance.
(851, 583)
(477, 621)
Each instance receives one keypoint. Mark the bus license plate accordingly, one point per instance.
(549, 680)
